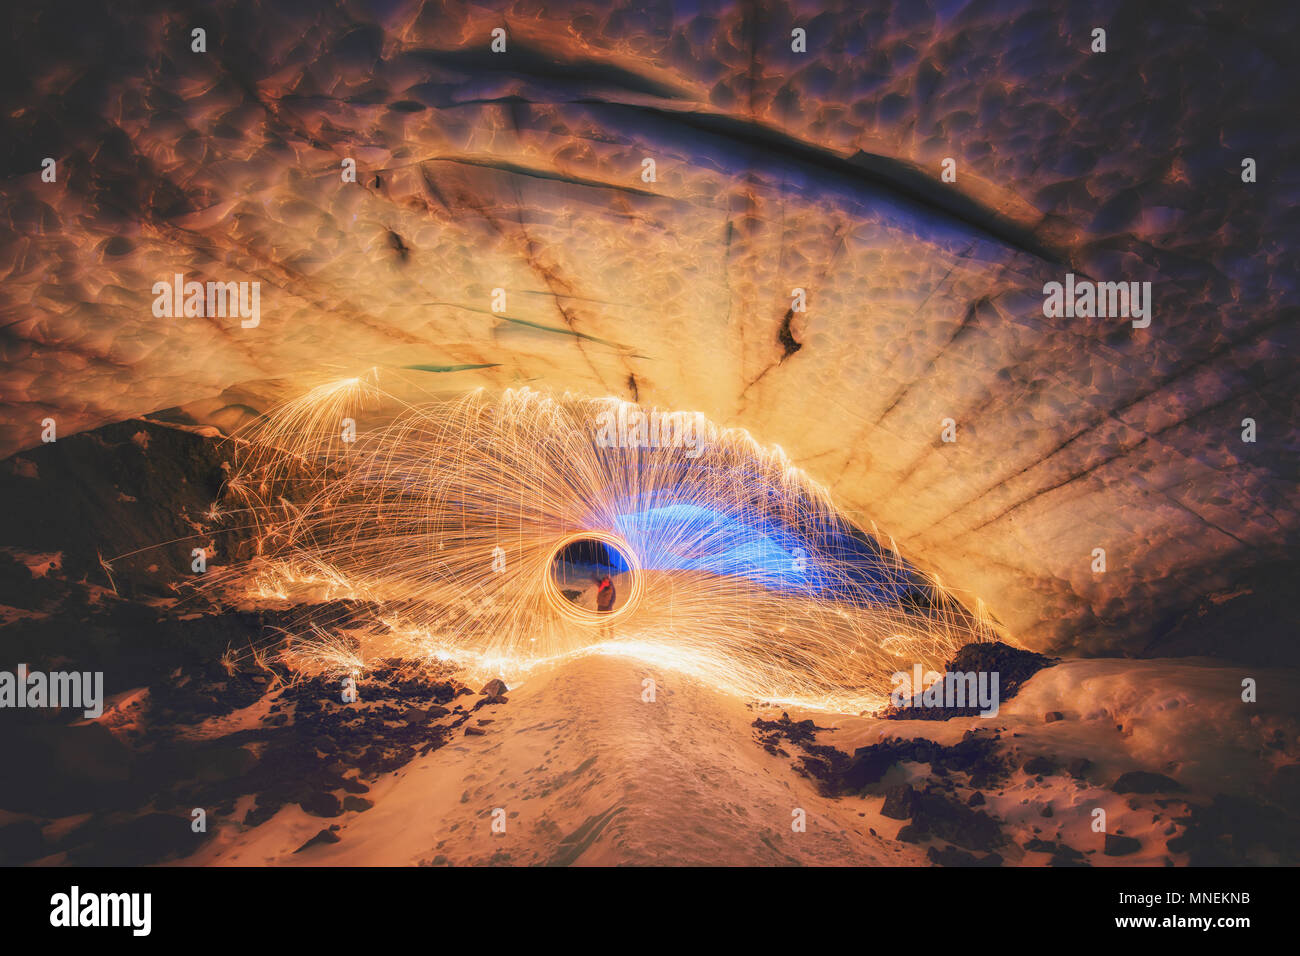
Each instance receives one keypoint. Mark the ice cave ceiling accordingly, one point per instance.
(774, 170)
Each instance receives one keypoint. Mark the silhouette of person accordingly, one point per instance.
(605, 595)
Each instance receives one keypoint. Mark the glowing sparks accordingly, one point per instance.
(439, 524)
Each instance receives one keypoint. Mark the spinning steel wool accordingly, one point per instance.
(444, 523)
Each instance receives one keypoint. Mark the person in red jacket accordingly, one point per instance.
(605, 595)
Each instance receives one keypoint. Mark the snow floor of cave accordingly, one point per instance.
(588, 773)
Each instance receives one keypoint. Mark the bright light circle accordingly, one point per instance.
(566, 608)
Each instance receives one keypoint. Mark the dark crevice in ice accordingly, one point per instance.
(762, 145)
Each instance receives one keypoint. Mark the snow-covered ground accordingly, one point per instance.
(1184, 718)
(588, 772)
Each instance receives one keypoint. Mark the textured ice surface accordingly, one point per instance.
(775, 170)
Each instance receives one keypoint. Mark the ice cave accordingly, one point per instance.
(418, 409)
